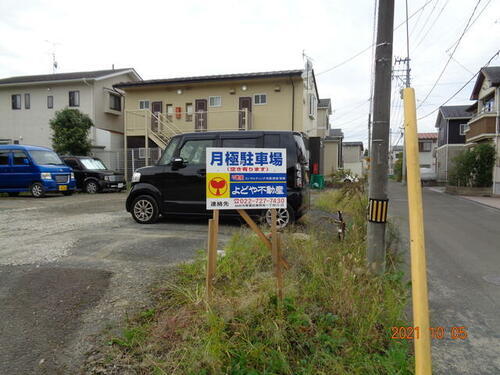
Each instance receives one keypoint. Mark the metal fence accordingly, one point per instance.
(136, 158)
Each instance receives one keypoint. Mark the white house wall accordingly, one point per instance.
(31, 126)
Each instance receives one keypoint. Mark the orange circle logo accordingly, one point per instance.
(217, 186)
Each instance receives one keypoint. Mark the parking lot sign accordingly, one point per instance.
(246, 178)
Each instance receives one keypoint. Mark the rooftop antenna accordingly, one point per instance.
(53, 53)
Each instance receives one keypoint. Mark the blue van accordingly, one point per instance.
(35, 169)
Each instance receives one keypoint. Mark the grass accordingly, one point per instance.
(335, 317)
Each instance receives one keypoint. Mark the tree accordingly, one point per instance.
(71, 132)
(398, 167)
(474, 167)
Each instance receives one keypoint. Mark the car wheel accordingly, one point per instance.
(91, 187)
(14, 194)
(284, 217)
(37, 190)
(145, 210)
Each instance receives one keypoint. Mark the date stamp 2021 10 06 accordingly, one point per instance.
(438, 333)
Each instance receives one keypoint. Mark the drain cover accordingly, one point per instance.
(493, 279)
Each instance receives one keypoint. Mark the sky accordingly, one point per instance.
(163, 39)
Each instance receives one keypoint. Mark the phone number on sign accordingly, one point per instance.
(259, 202)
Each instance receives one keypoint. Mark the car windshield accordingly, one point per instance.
(93, 164)
(42, 157)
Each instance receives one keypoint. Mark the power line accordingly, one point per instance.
(451, 55)
(428, 17)
(432, 25)
(370, 46)
(461, 88)
(472, 23)
(350, 121)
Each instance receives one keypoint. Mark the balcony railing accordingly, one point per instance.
(481, 125)
(137, 121)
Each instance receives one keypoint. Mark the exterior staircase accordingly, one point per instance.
(156, 126)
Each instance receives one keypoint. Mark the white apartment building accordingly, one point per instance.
(28, 103)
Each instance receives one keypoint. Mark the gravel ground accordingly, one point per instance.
(72, 266)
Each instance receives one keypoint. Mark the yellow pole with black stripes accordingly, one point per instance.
(422, 341)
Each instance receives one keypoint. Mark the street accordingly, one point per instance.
(463, 258)
(73, 266)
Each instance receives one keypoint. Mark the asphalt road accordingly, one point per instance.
(463, 259)
(72, 266)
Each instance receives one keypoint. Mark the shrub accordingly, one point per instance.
(71, 132)
(398, 167)
(474, 167)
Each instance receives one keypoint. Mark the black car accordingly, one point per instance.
(93, 176)
(176, 184)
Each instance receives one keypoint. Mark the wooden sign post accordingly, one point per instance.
(240, 179)
(276, 250)
(213, 230)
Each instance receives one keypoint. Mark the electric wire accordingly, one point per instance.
(461, 88)
(451, 55)
(428, 18)
(373, 44)
(432, 25)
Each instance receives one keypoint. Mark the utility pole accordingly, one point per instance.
(380, 139)
(404, 76)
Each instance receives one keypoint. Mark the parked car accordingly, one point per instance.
(93, 176)
(33, 169)
(176, 184)
(428, 176)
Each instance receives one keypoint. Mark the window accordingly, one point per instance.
(240, 142)
(27, 101)
(488, 104)
(424, 146)
(214, 101)
(19, 157)
(16, 101)
(313, 103)
(194, 151)
(74, 98)
(4, 157)
(50, 101)
(168, 154)
(115, 102)
(170, 112)
(45, 157)
(259, 99)
(463, 128)
(143, 104)
(425, 165)
(94, 164)
(72, 163)
(189, 111)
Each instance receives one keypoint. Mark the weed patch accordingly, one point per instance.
(335, 317)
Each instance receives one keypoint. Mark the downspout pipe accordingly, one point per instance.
(92, 110)
(293, 103)
(497, 133)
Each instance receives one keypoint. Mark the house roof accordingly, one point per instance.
(455, 111)
(492, 73)
(353, 144)
(335, 133)
(220, 77)
(324, 103)
(449, 112)
(427, 136)
(95, 74)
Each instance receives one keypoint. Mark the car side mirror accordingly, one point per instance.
(178, 163)
(26, 161)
